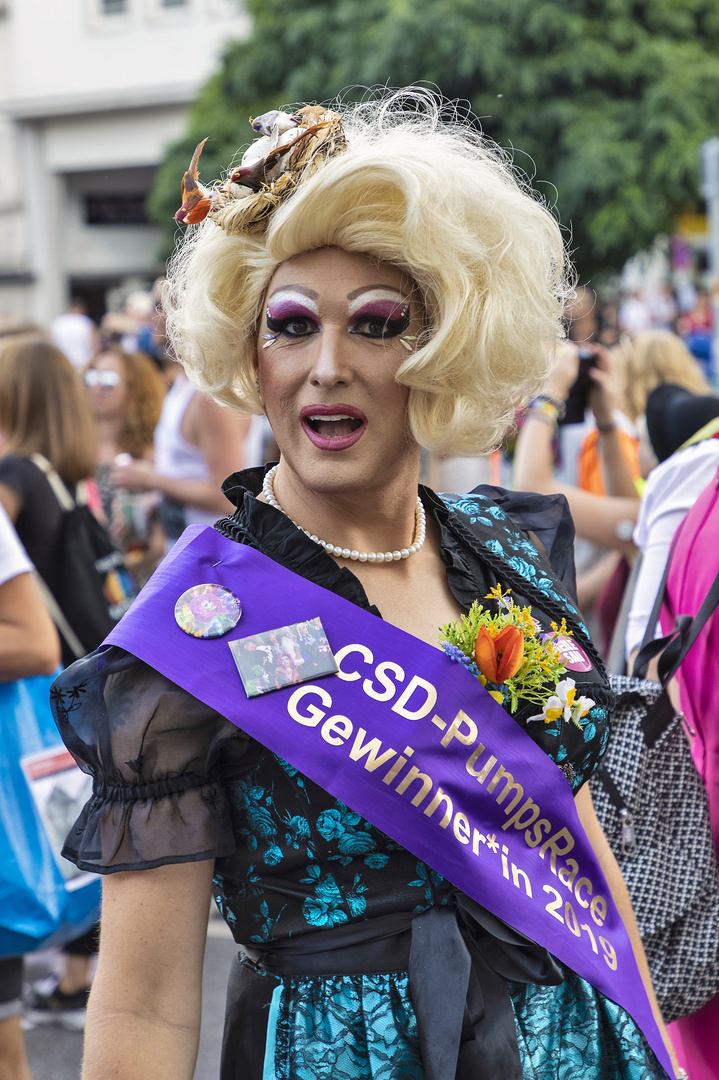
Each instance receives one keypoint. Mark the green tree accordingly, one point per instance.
(604, 103)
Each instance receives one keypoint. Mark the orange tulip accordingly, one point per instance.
(499, 657)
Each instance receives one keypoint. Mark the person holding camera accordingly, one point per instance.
(606, 520)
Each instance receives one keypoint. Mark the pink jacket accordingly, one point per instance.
(694, 565)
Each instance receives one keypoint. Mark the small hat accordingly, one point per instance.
(674, 415)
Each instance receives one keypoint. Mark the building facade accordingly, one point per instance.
(91, 92)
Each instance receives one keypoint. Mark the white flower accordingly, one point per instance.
(564, 703)
(551, 712)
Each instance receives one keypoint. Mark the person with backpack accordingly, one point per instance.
(693, 569)
(48, 454)
(47, 462)
(42, 411)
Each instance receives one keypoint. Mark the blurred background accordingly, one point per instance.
(91, 94)
(604, 105)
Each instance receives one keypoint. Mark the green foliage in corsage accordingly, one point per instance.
(507, 651)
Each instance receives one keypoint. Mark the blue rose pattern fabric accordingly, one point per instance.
(344, 1028)
(309, 861)
(364, 1028)
(571, 1032)
(518, 557)
(517, 564)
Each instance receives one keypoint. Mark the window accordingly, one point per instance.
(109, 16)
(163, 9)
(118, 209)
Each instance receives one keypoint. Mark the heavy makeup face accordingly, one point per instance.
(335, 329)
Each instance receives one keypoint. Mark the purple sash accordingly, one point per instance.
(411, 741)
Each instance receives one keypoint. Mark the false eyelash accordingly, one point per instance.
(279, 325)
(391, 327)
(399, 325)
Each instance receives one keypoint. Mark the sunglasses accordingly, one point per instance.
(105, 379)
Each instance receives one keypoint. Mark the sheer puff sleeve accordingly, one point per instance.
(157, 756)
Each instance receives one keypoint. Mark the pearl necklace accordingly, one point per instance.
(420, 531)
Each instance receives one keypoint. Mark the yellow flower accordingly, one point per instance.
(497, 593)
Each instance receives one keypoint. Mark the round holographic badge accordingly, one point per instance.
(207, 611)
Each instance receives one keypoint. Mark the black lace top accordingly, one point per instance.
(176, 782)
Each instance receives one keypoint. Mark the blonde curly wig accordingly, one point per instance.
(428, 193)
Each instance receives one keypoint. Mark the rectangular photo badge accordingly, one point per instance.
(277, 658)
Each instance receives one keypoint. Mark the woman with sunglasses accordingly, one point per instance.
(126, 391)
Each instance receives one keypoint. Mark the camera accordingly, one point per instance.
(576, 405)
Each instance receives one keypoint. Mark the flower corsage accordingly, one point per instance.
(514, 659)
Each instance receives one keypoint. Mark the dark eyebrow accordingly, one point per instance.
(370, 288)
(297, 288)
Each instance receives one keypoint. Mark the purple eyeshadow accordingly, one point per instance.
(380, 309)
(289, 309)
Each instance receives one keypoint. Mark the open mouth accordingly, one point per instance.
(333, 427)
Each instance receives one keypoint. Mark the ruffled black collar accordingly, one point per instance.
(271, 532)
(544, 519)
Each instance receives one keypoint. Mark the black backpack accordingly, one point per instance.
(94, 588)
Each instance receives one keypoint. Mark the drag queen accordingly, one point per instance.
(376, 282)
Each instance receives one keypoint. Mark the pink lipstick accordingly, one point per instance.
(333, 427)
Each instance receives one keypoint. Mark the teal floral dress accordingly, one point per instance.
(297, 872)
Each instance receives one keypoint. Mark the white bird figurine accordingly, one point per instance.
(273, 124)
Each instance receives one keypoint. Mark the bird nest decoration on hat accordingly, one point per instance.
(291, 147)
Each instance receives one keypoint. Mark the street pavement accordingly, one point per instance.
(55, 1054)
